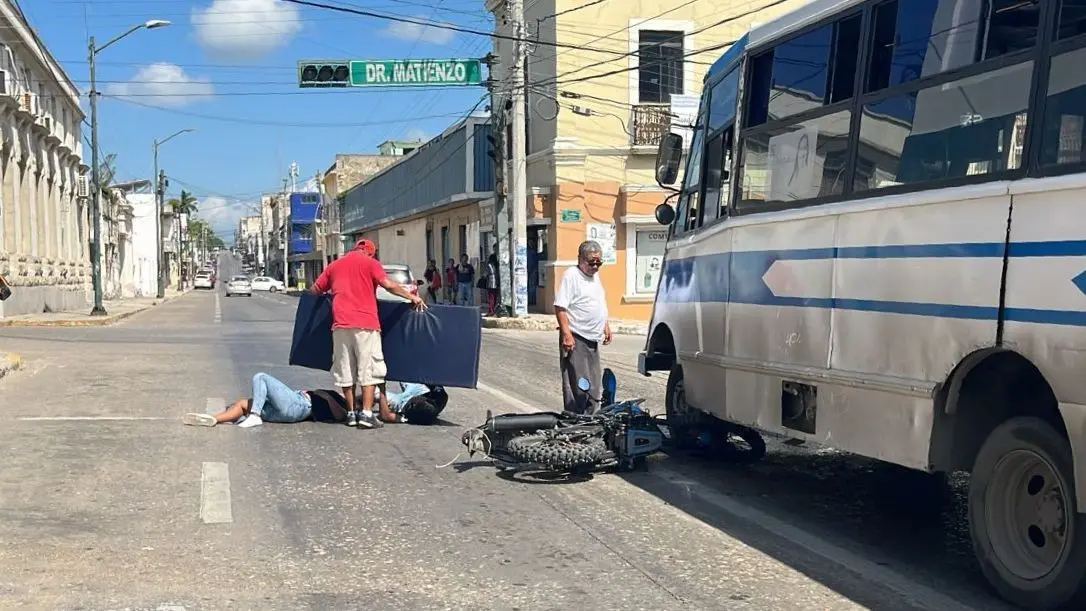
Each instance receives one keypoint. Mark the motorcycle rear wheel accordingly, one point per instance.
(557, 454)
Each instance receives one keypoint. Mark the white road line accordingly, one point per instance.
(218, 308)
(215, 494)
(84, 418)
(214, 405)
(917, 593)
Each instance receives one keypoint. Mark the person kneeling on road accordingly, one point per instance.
(274, 401)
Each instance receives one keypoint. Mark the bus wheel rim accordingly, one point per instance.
(1026, 510)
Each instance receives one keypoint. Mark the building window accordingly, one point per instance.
(660, 69)
(645, 242)
(463, 240)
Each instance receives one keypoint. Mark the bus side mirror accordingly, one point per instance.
(665, 214)
(668, 157)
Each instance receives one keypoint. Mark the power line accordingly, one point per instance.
(441, 26)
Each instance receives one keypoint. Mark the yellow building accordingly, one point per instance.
(605, 83)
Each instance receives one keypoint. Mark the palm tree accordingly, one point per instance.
(186, 204)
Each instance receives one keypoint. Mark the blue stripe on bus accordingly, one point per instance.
(736, 277)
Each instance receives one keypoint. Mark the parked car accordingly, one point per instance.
(204, 280)
(400, 274)
(264, 283)
(239, 285)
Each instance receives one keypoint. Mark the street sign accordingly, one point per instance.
(416, 73)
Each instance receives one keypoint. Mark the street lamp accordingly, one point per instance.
(159, 193)
(96, 217)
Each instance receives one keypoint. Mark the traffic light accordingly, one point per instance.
(324, 73)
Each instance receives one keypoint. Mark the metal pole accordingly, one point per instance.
(518, 200)
(285, 204)
(96, 215)
(160, 289)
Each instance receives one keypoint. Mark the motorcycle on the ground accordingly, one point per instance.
(616, 434)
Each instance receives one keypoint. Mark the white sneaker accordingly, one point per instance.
(196, 419)
(250, 421)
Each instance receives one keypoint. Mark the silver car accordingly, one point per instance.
(400, 274)
(239, 285)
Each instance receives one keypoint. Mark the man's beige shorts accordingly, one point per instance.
(357, 358)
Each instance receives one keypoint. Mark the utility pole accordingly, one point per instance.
(96, 188)
(501, 227)
(518, 166)
(160, 190)
(284, 206)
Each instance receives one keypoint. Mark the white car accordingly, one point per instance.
(203, 280)
(264, 283)
(400, 274)
(239, 285)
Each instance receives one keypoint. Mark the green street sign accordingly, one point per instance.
(416, 73)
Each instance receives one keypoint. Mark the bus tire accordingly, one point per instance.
(683, 421)
(1027, 537)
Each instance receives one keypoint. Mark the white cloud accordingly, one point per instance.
(245, 29)
(163, 84)
(418, 32)
(416, 134)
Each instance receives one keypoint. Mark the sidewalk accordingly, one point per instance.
(547, 322)
(115, 311)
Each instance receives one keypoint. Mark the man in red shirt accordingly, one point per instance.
(357, 358)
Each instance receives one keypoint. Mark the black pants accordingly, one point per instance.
(581, 362)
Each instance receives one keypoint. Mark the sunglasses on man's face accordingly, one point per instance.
(594, 262)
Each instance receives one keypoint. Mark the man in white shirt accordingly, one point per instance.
(581, 308)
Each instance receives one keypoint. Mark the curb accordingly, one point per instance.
(539, 324)
(103, 321)
(9, 363)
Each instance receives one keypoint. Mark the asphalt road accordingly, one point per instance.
(108, 502)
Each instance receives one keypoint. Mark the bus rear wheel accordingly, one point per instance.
(1027, 537)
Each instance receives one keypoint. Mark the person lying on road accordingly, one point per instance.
(274, 401)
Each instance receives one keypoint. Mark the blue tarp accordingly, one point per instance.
(437, 347)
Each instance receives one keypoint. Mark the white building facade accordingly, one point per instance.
(44, 237)
(143, 255)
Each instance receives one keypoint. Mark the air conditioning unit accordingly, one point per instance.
(82, 187)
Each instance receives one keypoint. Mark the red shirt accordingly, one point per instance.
(352, 280)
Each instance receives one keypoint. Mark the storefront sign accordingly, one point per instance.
(570, 215)
(604, 234)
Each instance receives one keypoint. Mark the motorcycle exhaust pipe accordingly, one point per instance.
(522, 423)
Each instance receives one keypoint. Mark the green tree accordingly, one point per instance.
(186, 204)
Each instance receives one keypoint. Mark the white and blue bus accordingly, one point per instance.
(879, 245)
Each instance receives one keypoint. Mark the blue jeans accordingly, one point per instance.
(463, 295)
(274, 401)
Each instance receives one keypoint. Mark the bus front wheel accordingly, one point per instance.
(683, 421)
(1027, 536)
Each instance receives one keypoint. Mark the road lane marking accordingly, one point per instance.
(914, 591)
(218, 308)
(84, 418)
(214, 405)
(215, 494)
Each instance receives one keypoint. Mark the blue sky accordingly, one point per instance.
(236, 60)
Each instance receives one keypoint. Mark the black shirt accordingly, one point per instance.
(328, 406)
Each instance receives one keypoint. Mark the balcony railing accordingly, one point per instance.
(649, 123)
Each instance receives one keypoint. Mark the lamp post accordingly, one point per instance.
(96, 216)
(159, 194)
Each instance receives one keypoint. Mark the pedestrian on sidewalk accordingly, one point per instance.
(492, 284)
(357, 357)
(274, 401)
(465, 274)
(450, 281)
(433, 281)
(580, 305)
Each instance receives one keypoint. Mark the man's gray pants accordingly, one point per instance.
(581, 362)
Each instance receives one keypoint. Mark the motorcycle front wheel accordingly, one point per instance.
(557, 454)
